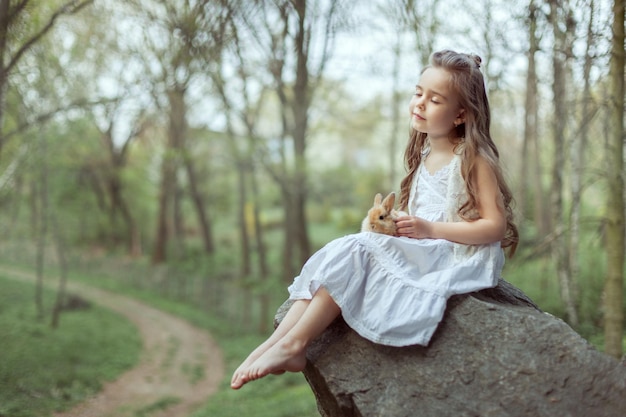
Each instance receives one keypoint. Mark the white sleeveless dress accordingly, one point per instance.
(393, 290)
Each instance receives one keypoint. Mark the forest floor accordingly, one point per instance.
(180, 365)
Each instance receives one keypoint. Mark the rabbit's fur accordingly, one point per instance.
(380, 218)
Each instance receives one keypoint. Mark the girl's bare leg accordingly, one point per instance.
(291, 318)
(288, 353)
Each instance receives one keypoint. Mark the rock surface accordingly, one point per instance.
(494, 354)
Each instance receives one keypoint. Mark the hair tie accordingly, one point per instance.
(476, 59)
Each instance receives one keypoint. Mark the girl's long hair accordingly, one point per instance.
(472, 140)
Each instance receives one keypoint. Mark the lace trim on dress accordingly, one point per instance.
(447, 180)
(456, 196)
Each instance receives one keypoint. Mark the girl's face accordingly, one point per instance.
(435, 108)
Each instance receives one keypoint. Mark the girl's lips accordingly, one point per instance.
(418, 117)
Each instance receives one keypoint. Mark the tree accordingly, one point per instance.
(563, 28)
(14, 45)
(614, 285)
(108, 175)
(578, 151)
(293, 42)
(531, 167)
(183, 37)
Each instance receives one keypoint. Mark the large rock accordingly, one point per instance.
(494, 354)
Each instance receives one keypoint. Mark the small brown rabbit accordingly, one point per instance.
(380, 218)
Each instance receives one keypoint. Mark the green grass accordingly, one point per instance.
(43, 369)
(286, 395)
(275, 396)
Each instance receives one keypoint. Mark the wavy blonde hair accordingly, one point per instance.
(472, 140)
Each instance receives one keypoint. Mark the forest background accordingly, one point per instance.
(204, 149)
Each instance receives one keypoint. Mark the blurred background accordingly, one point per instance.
(194, 154)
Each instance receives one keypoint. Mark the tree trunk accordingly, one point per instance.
(244, 235)
(578, 150)
(395, 111)
(300, 107)
(159, 254)
(4, 32)
(61, 291)
(290, 265)
(206, 230)
(614, 285)
(264, 273)
(560, 54)
(531, 169)
(117, 157)
(43, 224)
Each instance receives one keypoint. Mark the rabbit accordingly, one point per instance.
(380, 218)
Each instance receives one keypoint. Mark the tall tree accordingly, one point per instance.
(531, 168)
(563, 28)
(181, 40)
(578, 151)
(296, 40)
(614, 285)
(108, 175)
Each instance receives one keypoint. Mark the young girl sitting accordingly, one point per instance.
(393, 290)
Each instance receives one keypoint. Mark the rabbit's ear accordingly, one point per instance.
(377, 199)
(389, 201)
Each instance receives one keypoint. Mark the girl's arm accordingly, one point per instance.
(489, 228)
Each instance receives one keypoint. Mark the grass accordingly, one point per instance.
(275, 396)
(286, 395)
(44, 370)
(282, 396)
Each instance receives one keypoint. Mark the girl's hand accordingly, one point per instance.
(414, 227)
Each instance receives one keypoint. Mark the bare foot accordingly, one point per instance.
(292, 317)
(256, 353)
(280, 358)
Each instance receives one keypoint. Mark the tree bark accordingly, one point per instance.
(42, 221)
(300, 108)
(206, 231)
(168, 190)
(531, 169)
(59, 244)
(578, 150)
(244, 233)
(395, 111)
(117, 158)
(614, 285)
(561, 15)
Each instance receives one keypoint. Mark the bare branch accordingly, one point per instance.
(44, 117)
(67, 9)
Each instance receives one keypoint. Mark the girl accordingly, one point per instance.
(393, 290)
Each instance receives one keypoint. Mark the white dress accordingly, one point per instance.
(393, 290)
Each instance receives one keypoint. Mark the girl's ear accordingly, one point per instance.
(460, 118)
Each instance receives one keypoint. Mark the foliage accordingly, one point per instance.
(43, 370)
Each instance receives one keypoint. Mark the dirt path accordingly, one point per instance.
(179, 368)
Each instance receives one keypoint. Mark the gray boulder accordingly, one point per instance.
(494, 354)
